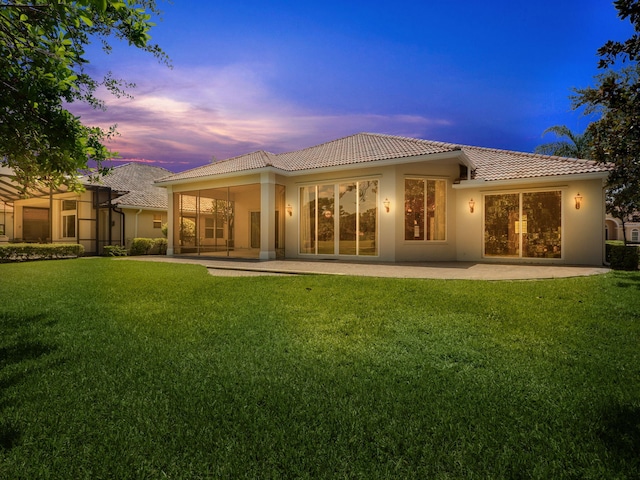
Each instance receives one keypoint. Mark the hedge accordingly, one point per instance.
(114, 251)
(148, 246)
(623, 257)
(21, 252)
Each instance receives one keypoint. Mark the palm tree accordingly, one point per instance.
(576, 146)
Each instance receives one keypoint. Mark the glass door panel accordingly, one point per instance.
(541, 224)
(308, 219)
(502, 225)
(367, 217)
(348, 218)
(326, 219)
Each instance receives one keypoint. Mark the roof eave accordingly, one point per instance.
(218, 176)
(425, 157)
(573, 177)
(138, 207)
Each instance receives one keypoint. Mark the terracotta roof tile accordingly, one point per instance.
(135, 182)
(490, 164)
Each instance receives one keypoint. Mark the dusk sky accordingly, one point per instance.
(284, 75)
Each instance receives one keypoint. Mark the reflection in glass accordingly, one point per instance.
(542, 235)
(502, 225)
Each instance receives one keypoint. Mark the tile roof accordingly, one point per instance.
(135, 182)
(493, 164)
(489, 164)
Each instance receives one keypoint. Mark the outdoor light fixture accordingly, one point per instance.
(386, 204)
(578, 199)
(472, 205)
(289, 209)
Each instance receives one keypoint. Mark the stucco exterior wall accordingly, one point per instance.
(138, 224)
(582, 230)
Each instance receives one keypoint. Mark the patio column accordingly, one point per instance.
(170, 221)
(267, 216)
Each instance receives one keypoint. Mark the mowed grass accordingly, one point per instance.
(123, 369)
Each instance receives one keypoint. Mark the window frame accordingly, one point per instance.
(523, 220)
(313, 189)
(425, 240)
(69, 218)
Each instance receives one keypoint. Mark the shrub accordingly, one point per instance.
(148, 246)
(141, 246)
(623, 257)
(114, 251)
(20, 252)
(160, 246)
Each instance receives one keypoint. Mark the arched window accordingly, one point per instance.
(635, 235)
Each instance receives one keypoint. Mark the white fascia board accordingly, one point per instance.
(138, 207)
(467, 184)
(217, 176)
(431, 157)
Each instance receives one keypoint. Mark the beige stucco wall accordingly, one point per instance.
(138, 224)
(582, 230)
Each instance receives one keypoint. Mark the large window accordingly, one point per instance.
(339, 218)
(527, 225)
(69, 218)
(424, 209)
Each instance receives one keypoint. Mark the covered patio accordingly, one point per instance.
(239, 221)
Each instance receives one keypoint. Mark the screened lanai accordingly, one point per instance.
(229, 221)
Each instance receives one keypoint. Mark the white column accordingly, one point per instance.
(170, 220)
(267, 216)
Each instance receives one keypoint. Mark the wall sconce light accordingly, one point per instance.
(472, 205)
(578, 199)
(386, 204)
(289, 209)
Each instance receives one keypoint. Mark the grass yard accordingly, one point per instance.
(121, 369)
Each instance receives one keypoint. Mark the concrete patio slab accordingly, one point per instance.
(432, 270)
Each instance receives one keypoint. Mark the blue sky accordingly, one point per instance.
(284, 75)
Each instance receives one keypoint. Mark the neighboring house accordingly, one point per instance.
(614, 231)
(391, 199)
(112, 210)
(6, 221)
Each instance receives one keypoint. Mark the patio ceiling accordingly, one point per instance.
(10, 190)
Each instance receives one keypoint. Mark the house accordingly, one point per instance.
(113, 209)
(391, 199)
(614, 229)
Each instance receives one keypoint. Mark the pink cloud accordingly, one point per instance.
(181, 118)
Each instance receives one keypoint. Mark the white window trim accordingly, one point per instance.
(425, 241)
(520, 256)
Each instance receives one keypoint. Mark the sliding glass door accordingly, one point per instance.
(339, 218)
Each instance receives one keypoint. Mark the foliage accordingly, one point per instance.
(615, 137)
(146, 246)
(576, 145)
(623, 257)
(612, 51)
(141, 246)
(43, 67)
(116, 373)
(114, 251)
(20, 252)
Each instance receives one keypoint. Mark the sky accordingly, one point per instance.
(284, 75)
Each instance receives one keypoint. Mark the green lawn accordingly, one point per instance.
(121, 369)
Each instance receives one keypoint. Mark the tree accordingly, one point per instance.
(615, 137)
(576, 146)
(42, 68)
